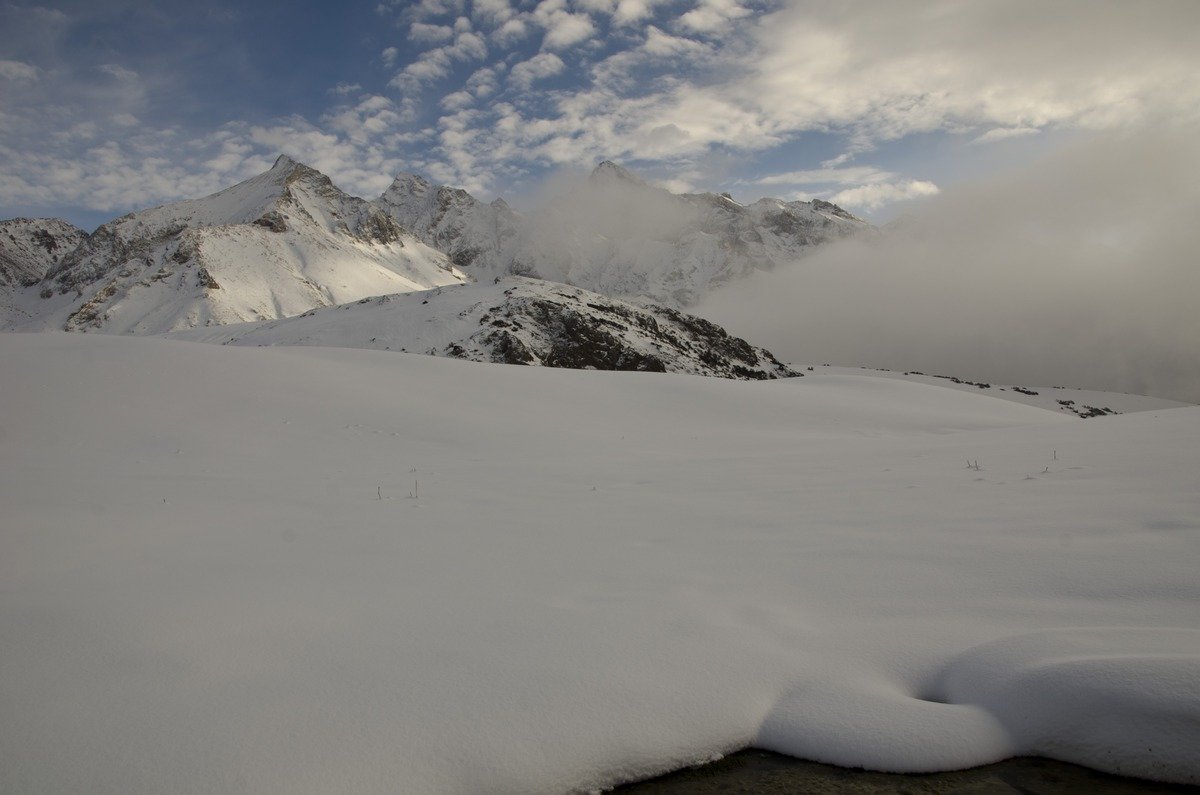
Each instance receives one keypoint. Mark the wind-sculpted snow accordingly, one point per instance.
(617, 235)
(519, 321)
(316, 570)
(273, 246)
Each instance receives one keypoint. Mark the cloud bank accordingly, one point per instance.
(1079, 270)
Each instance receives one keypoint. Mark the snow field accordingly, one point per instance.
(214, 577)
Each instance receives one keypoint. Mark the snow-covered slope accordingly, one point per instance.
(29, 247)
(518, 321)
(273, 246)
(1060, 399)
(214, 578)
(616, 235)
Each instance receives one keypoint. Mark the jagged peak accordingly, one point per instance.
(285, 164)
(37, 221)
(608, 170)
(409, 183)
(288, 170)
(831, 208)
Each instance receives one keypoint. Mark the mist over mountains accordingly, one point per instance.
(1077, 269)
(1070, 272)
(288, 241)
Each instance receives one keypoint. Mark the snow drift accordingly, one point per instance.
(303, 569)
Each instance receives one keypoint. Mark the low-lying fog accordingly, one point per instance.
(1081, 269)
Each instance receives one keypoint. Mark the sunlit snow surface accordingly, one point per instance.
(214, 578)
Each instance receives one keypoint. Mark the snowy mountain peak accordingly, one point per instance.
(608, 170)
(406, 184)
(831, 208)
(284, 163)
(275, 245)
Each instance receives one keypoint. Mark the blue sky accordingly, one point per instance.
(108, 107)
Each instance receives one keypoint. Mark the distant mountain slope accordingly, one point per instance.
(273, 246)
(518, 321)
(29, 247)
(1068, 401)
(619, 236)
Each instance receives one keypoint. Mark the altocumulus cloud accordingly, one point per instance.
(490, 93)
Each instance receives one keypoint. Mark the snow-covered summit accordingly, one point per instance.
(607, 170)
(275, 245)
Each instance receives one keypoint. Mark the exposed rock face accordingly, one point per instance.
(559, 326)
(619, 236)
(29, 247)
(521, 321)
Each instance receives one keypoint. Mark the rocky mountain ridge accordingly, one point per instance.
(31, 247)
(520, 321)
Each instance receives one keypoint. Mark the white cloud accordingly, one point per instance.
(428, 67)
(18, 70)
(676, 185)
(510, 32)
(436, 64)
(542, 65)
(828, 176)
(711, 16)
(492, 12)
(389, 56)
(597, 6)
(457, 101)
(563, 29)
(482, 82)
(430, 34)
(962, 66)
(629, 12)
(875, 195)
(664, 44)
(119, 72)
(428, 9)
(1002, 133)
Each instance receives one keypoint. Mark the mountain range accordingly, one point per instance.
(611, 260)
